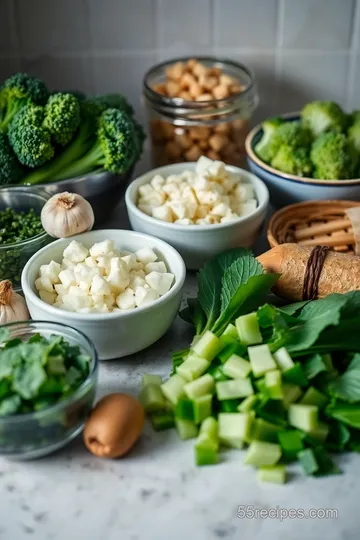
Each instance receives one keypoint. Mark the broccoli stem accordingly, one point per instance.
(93, 159)
(12, 108)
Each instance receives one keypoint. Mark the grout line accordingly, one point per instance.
(352, 56)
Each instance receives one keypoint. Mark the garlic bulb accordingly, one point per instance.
(66, 214)
(12, 305)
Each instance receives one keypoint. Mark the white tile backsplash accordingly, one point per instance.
(317, 24)
(299, 49)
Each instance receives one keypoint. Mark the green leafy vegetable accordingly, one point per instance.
(347, 385)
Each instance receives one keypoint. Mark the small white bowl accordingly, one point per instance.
(113, 334)
(199, 243)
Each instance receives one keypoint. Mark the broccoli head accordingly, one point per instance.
(11, 171)
(30, 140)
(16, 92)
(62, 117)
(321, 116)
(292, 134)
(116, 101)
(333, 157)
(354, 135)
(292, 161)
(264, 149)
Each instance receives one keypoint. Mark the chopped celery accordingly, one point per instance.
(275, 474)
(202, 408)
(273, 384)
(206, 453)
(178, 358)
(248, 404)
(173, 388)
(262, 453)
(304, 417)
(261, 360)
(296, 375)
(186, 429)
(308, 461)
(291, 393)
(152, 398)
(312, 396)
(192, 368)
(210, 429)
(291, 443)
(283, 359)
(162, 420)
(149, 378)
(217, 373)
(184, 409)
(237, 367)
(200, 387)
(320, 432)
(208, 346)
(248, 329)
(261, 387)
(229, 405)
(231, 331)
(233, 389)
(234, 428)
(262, 430)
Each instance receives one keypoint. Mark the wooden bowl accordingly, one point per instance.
(314, 223)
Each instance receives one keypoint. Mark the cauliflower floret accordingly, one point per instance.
(99, 286)
(76, 252)
(126, 300)
(160, 282)
(102, 248)
(145, 255)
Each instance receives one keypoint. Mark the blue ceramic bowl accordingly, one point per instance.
(287, 188)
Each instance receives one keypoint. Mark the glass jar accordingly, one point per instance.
(186, 121)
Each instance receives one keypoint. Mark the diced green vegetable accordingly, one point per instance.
(173, 388)
(192, 368)
(149, 378)
(262, 453)
(207, 443)
(200, 387)
(273, 384)
(217, 373)
(237, 367)
(210, 429)
(236, 388)
(152, 398)
(202, 408)
(186, 429)
(262, 430)
(184, 409)
(291, 393)
(248, 329)
(308, 461)
(248, 403)
(296, 375)
(273, 474)
(320, 432)
(304, 417)
(232, 347)
(162, 420)
(229, 405)
(231, 331)
(234, 428)
(291, 443)
(208, 346)
(283, 359)
(261, 360)
(312, 396)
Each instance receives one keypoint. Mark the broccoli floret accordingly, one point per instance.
(292, 134)
(30, 140)
(321, 116)
(16, 92)
(354, 135)
(292, 161)
(11, 171)
(333, 157)
(116, 101)
(264, 149)
(62, 117)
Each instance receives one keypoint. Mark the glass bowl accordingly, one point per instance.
(32, 435)
(13, 257)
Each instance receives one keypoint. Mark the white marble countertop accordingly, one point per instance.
(156, 492)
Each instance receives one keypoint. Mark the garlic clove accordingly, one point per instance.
(66, 214)
(13, 307)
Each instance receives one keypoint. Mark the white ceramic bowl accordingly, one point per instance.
(288, 188)
(113, 334)
(199, 243)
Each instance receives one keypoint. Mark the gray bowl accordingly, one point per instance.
(102, 189)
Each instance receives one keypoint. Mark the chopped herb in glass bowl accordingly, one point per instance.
(48, 374)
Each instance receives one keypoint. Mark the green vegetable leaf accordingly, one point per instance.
(10, 405)
(348, 413)
(338, 438)
(347, 385)
(194, 314)
(238, 273)
(246, 298)
(313, 365)
(293, 309)
(28, 378)
(4, 334)
(210, 282)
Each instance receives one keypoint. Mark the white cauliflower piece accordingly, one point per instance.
(126, 300)
(144, 296)
(160, 282)
(118, 277)
(163, 213)
(76, 252)
(130, 260)
(145, 255)
(99, 286)
(102, 248)
(159, 266)
(67, 278)
(48, 297)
